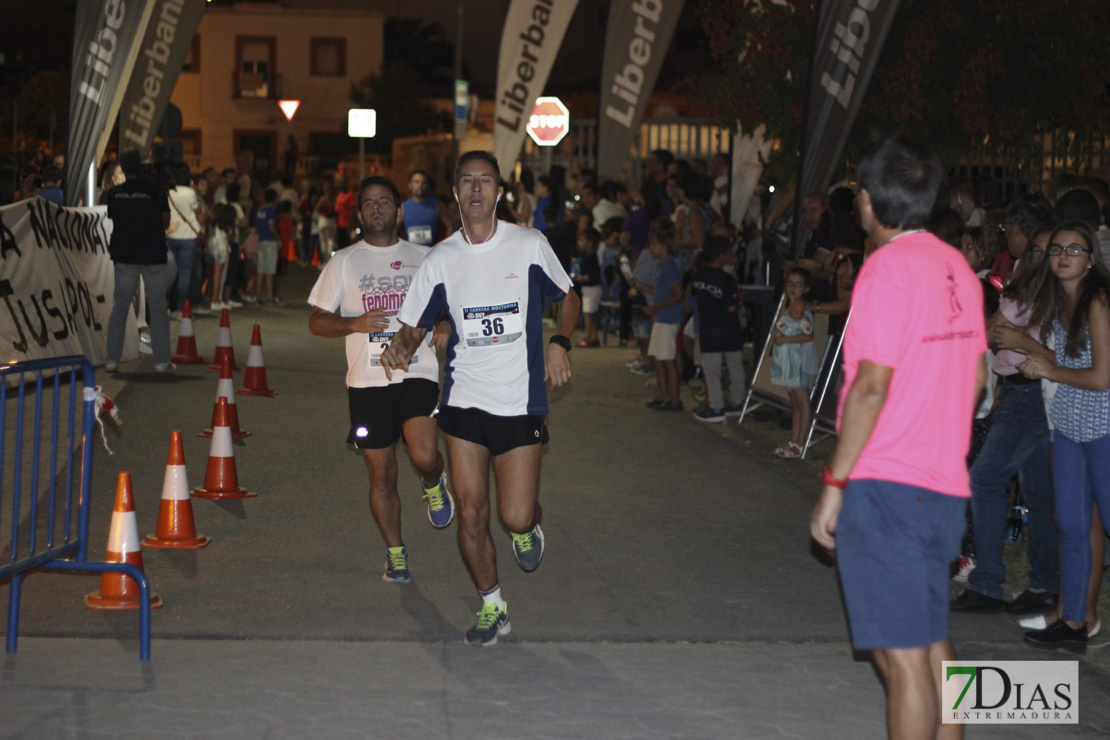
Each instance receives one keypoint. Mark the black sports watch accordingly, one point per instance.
(560, 340)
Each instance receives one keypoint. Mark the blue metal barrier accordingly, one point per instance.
(50, 527)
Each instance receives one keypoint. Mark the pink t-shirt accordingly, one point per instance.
(1007, 360)
(918, 308)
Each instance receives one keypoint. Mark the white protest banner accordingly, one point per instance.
(56, 283)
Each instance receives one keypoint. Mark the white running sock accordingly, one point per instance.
(493, 596)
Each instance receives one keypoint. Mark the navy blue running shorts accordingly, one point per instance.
(377, 414)
(895, 544)
(498, 434)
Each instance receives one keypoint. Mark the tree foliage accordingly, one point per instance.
(425, 47)
(397, 94)
(986, 76)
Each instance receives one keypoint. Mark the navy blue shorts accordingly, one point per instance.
(894, 545)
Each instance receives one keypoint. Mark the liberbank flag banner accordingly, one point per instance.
(636, 41)
(173, 23)
(848, 39)
(106, 38)
(56, 282)
(534, 30)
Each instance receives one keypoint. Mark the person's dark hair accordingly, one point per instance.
(50, 173)
(945, 225)
(682, 166)
(612, 226)
(182, 175)
(981, 248)
(992, 298)
(611, 190)
(558, 175)
(591, 235)
(714, 247)
(1050, 300)
(662, 230)
(269, 195)
(225, 217)
(551, 214)
(227, 171)
(1023, 283)
(1030, 213)
(285, 206)
(664, 156)
(805, 274)
(528, 181)
(1078, 205)
(131, 162)
(842, 199)
(901, 177)
(385, 182)
(414, 173)
(1097, 186)
(477, 154)
(546, 182)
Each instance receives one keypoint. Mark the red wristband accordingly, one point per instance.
(827, 479)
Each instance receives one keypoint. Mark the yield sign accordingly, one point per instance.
(549, 122)
(289, 108)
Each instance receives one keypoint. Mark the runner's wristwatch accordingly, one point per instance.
(560, 341)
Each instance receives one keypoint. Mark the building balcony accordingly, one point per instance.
(259, 85)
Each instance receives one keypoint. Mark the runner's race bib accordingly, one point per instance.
(490, 326)
(379, 342)
(420, 235)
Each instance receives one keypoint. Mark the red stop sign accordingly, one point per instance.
(549, 122)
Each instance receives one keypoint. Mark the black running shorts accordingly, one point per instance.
(498, 434)
(378, 413)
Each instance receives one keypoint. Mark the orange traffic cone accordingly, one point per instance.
(254, 384)
(118, 590)
(186, 340)
(220, 479)
(175, 517)
(226, 389)
(223, 344)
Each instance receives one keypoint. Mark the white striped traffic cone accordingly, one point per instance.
(226, 389)
(254, 384)
(187, 340)
(176, 528)
(220, 479)
(118, 590)
(224, 347)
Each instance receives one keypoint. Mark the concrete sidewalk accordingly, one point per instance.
(678, 597)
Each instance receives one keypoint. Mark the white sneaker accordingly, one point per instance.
(165, 367)
(144, 343)
(111, 366)
(1038, 622)
(232, 304)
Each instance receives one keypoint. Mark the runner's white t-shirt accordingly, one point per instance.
(362, 278)
(493, 293)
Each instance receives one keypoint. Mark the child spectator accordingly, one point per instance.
(219, 249)
(588, 278)
(642, 292)
(717, 299)
(794, 357)
(614, 286)
(268, 247)
(666, 314)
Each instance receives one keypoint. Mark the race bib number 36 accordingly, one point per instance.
(490, 326)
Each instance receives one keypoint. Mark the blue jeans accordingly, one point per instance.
(184, 252)
(1017, 442)
(1081, 472)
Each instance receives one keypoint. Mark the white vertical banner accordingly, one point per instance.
(749, 152)
(534, 31)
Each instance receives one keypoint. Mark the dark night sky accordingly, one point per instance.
(46, 43)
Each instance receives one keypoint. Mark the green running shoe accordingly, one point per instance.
(528, 548)
(441, 505)
(491, 623)
(396, 565)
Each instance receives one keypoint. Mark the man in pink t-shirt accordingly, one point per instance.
(895, 491)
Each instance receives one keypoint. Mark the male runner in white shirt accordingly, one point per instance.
(491, 277)
(358, 296)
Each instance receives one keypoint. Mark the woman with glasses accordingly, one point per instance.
(1073, 301)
